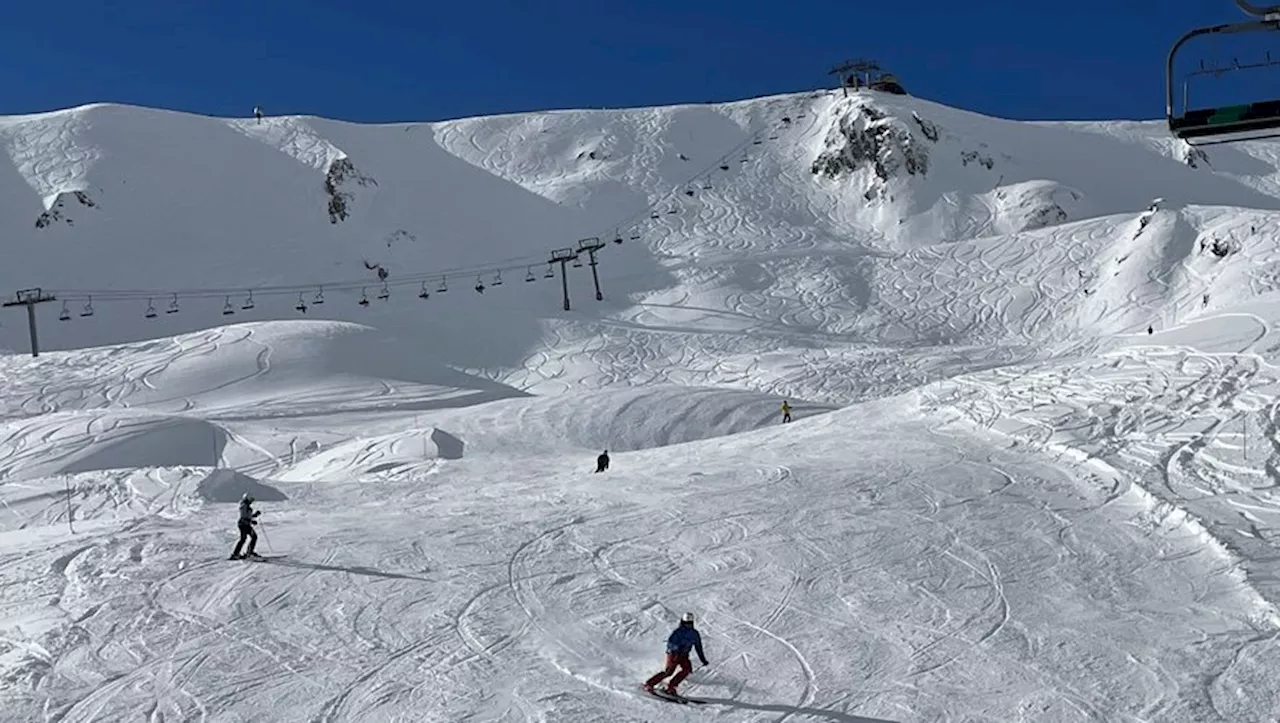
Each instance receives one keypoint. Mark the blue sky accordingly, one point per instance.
(382, 61)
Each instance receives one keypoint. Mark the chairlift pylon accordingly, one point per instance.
(1232, 123)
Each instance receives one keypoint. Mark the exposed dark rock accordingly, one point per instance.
(341, 171)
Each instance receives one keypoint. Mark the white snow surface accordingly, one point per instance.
(1001, 499)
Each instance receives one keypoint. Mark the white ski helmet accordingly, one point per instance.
(686, 618)
(247, 498)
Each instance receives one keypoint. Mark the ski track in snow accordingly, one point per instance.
(1001, 498)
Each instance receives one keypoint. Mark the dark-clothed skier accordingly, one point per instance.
(682, 640)
(602, 462)
(245, 524)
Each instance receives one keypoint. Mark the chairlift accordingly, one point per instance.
(248, 302)
(66, 313)
(479, 285)
(151, 310)
(227, 310)
(319, 297)
(1226, 124)
(423, 293)
(724, 166)
(497, 278)
(528, 274)
(173, 305)
(385, 293)
(444, 285)
(301, 305)
(364, 298)
(88, 307)
(551, 273)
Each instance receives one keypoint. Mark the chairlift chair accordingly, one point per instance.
(1226, 124)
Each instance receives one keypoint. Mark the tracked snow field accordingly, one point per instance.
(1032, 474)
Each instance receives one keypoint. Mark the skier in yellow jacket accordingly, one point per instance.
(786, 411)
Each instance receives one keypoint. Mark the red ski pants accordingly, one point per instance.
(674, 660)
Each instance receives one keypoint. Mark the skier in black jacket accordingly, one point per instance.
(248, 518)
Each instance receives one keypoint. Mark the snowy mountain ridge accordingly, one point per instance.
(1032, 365)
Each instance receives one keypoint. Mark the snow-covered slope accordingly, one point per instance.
(1001, 499)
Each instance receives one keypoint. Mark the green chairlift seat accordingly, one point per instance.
(1228, 124)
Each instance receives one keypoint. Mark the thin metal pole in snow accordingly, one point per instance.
(69, 527)
(264, 536)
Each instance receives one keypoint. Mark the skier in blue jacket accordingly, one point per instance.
(682, 640)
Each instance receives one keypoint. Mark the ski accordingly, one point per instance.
(665, 696)
(679, 699)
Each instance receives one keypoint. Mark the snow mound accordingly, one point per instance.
(107, 441)
(255, 369)
(228, 485)
(619, 420)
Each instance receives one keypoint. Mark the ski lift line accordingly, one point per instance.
(286, 290)
(675, 190)
(706, 170)
(517, 263)
(276, 290)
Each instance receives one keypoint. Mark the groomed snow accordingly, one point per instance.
(1001, 499)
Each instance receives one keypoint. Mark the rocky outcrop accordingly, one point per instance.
(342, 172)
(865, 137)
(59, 210)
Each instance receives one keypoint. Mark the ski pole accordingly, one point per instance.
(265, 539)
